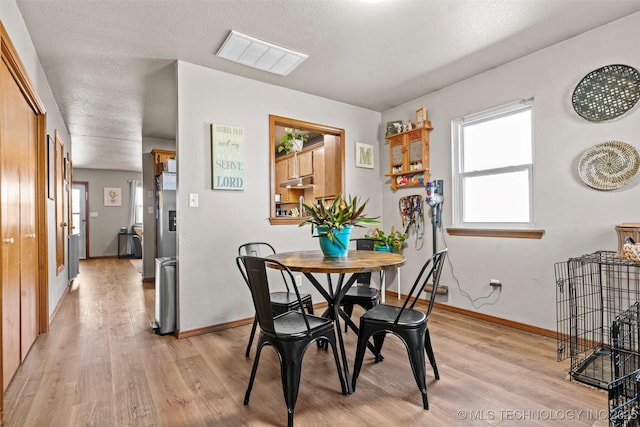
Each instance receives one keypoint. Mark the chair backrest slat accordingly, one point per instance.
(254, 271)
(435, 262)
(260, 249)
(364, 244)
(257, 249)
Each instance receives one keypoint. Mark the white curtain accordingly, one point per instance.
(133, 191)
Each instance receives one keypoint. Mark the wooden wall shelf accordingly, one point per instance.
(409, 157)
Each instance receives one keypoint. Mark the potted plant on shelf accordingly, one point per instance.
(392, 242)
(292, 140)
(334, 222)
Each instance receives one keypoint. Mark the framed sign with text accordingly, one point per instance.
(227, 157)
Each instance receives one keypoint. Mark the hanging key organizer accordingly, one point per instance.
(412, 214)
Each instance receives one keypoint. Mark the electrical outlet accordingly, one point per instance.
(299, 281)
(495, 284)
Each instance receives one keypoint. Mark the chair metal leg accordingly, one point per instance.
(290, 370)
(309, 306)
(348, 308)
(253, 373)
(378, 341)
(414, 340)
(432, 357)
(363, 338)
(253, 332)
(322, 343)
(331, 339)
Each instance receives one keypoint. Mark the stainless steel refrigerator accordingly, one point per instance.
(166, 220)
(165, 321)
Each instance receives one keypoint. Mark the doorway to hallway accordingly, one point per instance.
(79, 207)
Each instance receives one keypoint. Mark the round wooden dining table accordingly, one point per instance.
(356, 262)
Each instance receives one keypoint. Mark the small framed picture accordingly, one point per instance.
(364, 155)
(392, 127)
(421, 117)
(112, 196)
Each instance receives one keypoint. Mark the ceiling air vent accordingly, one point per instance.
(259, 54)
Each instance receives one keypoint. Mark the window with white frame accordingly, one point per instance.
(493, 167)
(139, 204)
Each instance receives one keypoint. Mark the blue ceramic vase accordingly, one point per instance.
(334, 249)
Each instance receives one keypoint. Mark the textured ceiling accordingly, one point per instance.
(110, 63)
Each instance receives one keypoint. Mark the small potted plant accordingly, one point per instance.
(292, 140)
(392, 242)
(334, 222)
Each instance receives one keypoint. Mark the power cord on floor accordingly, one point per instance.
(462, 291)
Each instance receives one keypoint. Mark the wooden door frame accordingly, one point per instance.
(15, 66)
(60, 220)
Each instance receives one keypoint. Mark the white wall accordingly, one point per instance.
(15, 27)
(211, 290)
(576, 218)
(104, 228)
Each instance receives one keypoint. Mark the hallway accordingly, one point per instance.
(101, 365)
(90, 362)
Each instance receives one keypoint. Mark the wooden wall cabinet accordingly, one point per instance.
(282, 174)
(318, 173)
(159, 156)
(305, 164)
(332, 166)
(310, 163)
(326, 175)
(409, 157)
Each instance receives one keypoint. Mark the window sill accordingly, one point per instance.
(506, 233)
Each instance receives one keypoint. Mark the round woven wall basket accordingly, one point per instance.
(607, 93)
(609, 165)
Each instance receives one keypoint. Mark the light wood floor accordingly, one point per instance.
(101, 365)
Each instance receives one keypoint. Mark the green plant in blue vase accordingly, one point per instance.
(394, 240)
(336, 217)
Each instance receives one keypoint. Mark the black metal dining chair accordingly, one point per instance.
(361, 293)
(409, 324)
(289, 333)
(281, 301)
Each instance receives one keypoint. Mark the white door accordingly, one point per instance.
(79, 197)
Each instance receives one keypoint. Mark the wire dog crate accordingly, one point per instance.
(624, 406)
(592, 290)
